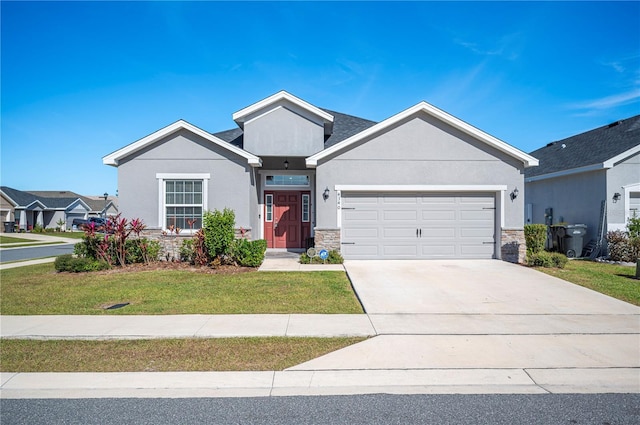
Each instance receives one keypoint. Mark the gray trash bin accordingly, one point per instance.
(574, 240)
(8, 226)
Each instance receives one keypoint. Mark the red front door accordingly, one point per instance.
(283, 220)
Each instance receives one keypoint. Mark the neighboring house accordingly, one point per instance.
(46, 208)
(578, 173)
(421, 184)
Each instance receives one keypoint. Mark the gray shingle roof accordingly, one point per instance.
(593, 147)
(55, 199)
(344, 126)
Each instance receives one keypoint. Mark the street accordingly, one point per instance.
(583, 409)
(29, 253)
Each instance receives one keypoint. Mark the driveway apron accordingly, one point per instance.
(488, 314)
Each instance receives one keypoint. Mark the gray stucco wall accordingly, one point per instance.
(623, 174)
(282, 132)
(230, 184)
(420, 151)
(575, 199)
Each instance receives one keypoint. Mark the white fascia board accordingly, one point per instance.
(114, 158)
(419, 188)
(35, 202)
(563, 173)
(78, 201)
(611, 162)
(7, 197)
(239, 117)
(427, 108)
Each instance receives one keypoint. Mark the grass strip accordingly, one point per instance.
(38, 289)
(27, 245)
(10, 239)
(609, 279)
(164, 355)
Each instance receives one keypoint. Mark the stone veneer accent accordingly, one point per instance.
(328, 239)
(170, 243)
(513, 246)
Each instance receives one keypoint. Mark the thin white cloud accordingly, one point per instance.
(508, 46)
(609, 102)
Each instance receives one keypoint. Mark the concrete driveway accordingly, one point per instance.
(489, 315)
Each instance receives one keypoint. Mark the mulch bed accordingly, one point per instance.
(175, 265)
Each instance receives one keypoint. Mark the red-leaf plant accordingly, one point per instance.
(121, 231)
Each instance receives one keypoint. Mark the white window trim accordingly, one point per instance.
(162, 210)
(308, 196)
(265, 207)
(627, 195)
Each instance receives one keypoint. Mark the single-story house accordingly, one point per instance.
(420, 184)
(47, 208)
(579, 174)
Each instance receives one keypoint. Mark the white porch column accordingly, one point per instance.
(39, 219)
(23, 220)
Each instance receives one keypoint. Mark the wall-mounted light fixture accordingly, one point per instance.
(325, 194)
(286, 164)
(616, 197)
(513, 195)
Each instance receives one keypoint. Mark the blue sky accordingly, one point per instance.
(82, 79)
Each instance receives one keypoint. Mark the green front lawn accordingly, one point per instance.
(11, 239)
(36, 290)
(615, 281)
(164, 355)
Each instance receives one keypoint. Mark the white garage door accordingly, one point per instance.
(417, 226)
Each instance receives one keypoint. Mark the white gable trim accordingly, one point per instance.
(8, 198)
(425, 107)
(115, 157)
(611, 162)
(240, 116)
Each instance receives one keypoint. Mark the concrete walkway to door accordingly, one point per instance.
(491, 315)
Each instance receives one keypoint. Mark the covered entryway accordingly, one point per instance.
(418, 225)
(287, 218)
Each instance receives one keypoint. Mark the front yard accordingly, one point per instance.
(609, 279)
(36, 290)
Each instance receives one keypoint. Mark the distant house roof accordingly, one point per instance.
(53, 199)
(599, 148)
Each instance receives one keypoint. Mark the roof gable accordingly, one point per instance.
(114, 158)
(596, 149)
(286, 99)
(424, 107)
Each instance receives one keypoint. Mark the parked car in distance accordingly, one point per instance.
(98, 222)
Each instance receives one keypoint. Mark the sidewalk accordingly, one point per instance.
(407, 354)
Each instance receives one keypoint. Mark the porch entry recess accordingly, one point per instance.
(287, 218)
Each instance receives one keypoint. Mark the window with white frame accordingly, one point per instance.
(305, 208)
(268, 208)
(287, 180)
(183, 203)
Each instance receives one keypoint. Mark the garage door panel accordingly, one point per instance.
(399, 215)
(362, 251)
(428, 215)
(399, 250)
(438, 232)
(399, 233)
(438, 251)
(418, 225)
(361, 232)
(360, 216)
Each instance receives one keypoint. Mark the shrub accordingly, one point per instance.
(186, 251)
(219, 232)
(633, 226)
(547, 259)
(333, 258)
(67, 263)
(141, 250)
(622, 247)
(248, 253)
(535, 236)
